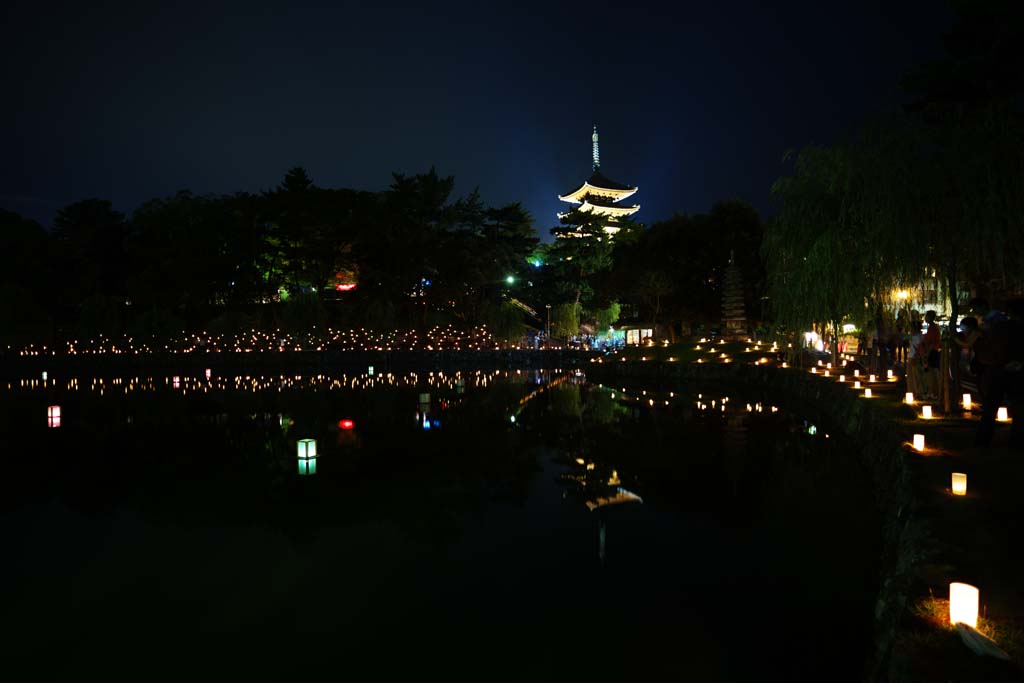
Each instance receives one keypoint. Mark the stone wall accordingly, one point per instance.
(879, 445)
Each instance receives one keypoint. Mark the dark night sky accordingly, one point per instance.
(694, 101)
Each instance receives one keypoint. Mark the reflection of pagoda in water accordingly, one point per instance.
(599, 491)
(601, 196)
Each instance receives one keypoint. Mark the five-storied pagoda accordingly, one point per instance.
(601, 195)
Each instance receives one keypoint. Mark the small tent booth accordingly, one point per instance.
(636, 334)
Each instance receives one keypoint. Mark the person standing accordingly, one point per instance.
(930, 344)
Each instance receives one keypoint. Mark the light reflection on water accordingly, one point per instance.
(512, 497)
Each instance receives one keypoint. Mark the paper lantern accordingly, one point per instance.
(369, 371)
(53, 416)
(963, 604)
(45, 376)
(177, 382)
(842, 378)
(909, 398)
(1002, 416)
(856, 373)
(346, 424)
(307, 466)
(814, 371)
(871, 378)
(856, 385)
(867, 393)
(826, 373)
(919, 443)
(307, 449)
(967, 401)
(926, 412)
(829, 366)
(959, 484)
(819, 363)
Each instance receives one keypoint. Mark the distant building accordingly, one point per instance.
(601, 195)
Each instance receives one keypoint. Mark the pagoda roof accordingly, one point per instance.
(599, 184)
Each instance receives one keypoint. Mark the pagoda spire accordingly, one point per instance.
(597, 154)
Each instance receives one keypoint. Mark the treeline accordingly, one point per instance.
(933, 192)
(417, 256)
(269, 259)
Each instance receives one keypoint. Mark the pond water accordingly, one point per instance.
(497, 526)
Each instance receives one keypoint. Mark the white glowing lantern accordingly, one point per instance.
(208, 373)
(814, 371)
(867, 393)
(369, 371)
(856, 385)
(926, 412)
(176, 382)
(306, 449)
(819, 363)
(1002, 416)
(826, 373)
(53, 416)
(888, 374)
(842, 378)
(963, 604)
(959, 484)
(967, 401)
(856, 373)
(919, 442)
(307, 466)
(909, 398)
(829, 366)
(871, 378)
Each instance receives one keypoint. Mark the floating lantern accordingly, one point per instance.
(967, 401)
(963, 604)
(926, 412)
(1001, 415)
(306, 449)
(909, 398)
(919, 443)
(53, 416)
(842, 378)
(826, 373)
(867, 393)
(369, 371)
(959, 484)
(346, 424)
(856, 385)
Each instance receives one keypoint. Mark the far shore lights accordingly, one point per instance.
(959, 484)
(871, 378)
(919, 443)
(963, 604)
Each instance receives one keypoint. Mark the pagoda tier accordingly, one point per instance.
(598, 186)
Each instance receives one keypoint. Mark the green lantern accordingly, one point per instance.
(307, 466)
(307, 449)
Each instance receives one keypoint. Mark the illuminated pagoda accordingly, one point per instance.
(601, 196)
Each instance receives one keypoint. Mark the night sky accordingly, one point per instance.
(694, 102)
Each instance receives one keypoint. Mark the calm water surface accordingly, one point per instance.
(512, 526)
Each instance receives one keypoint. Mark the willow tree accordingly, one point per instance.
(817, 267)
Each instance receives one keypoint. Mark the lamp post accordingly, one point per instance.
(547, 328)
